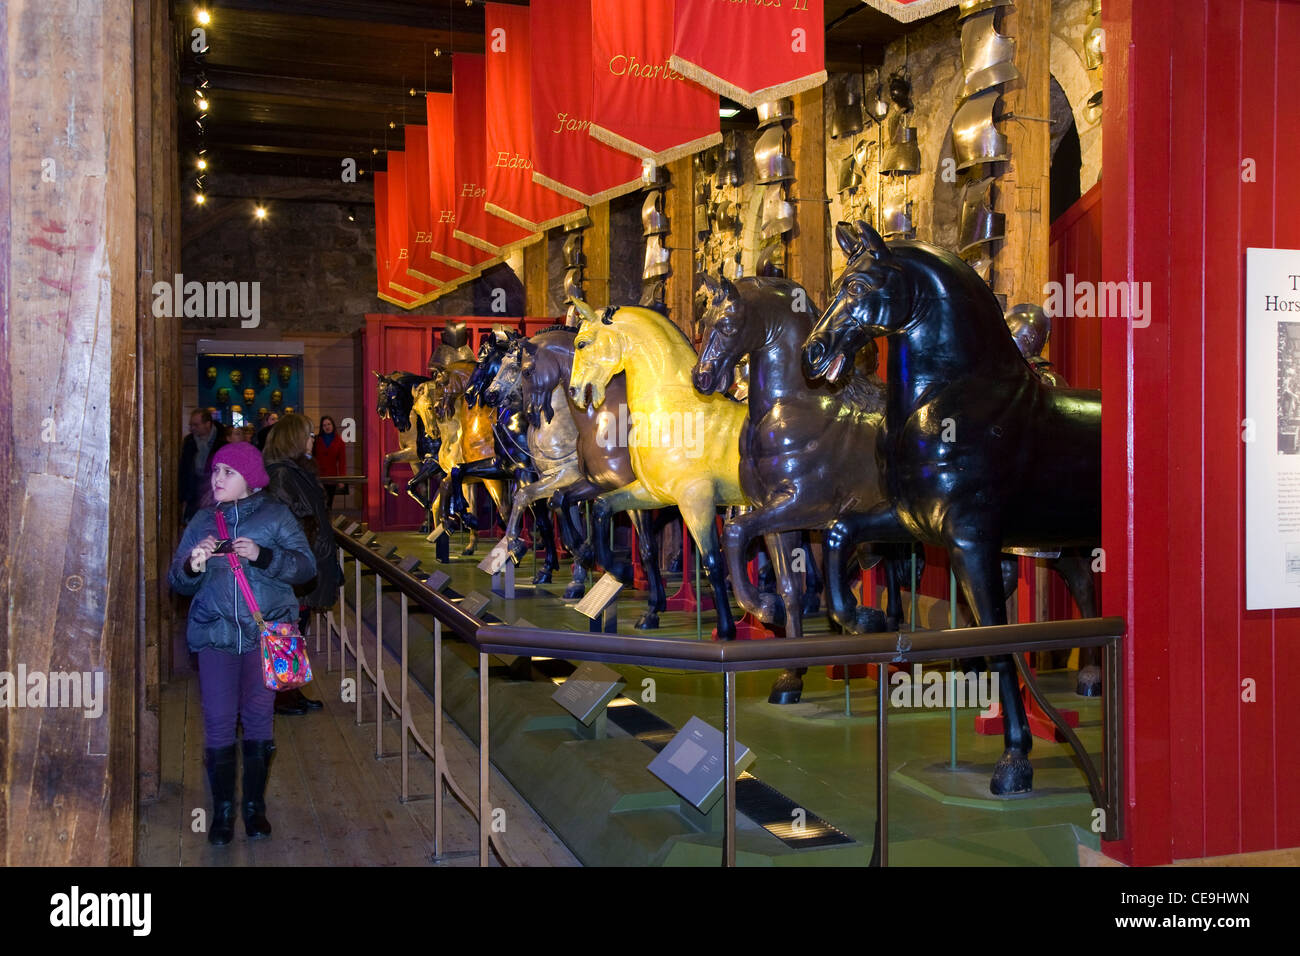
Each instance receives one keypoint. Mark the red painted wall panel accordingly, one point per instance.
(1209, 774)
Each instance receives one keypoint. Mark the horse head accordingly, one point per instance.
(871, 298)
(395, 397)
(490, 354)
(507, 384)
(597, 356)
(539, 373)
(727, 336)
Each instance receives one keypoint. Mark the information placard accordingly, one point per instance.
(496, 558)
(410, 563)
(1271, 431)
(692, 764)
(599, 597)
(587, 690)
(437, 580)
(474, 603)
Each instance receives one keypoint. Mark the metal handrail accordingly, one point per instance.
(728, 658)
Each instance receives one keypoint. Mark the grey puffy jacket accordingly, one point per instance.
(219, 616)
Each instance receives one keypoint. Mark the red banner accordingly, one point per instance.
(419, 214)
(771, 50)
(565, 157)
(512, 193)
(474, 224)
(383, 257)
(641, 105)
(442, 189)
(906, 11)
(401, 276)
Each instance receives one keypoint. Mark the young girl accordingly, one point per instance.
(266, 538)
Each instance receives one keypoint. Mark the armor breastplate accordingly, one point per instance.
(775, 112)
(656, 259)
(770, 159)
(778, 213)
(702, 192)
(848, 176)
(979, 223)
(846, 110)
(729, 173)
(726, 216)
(897, 221)
(654, 222)
(878, 105)
(986, 54)
(901, 154)
(975, 139)
(706, 163)
(968, 8)
(702, 220)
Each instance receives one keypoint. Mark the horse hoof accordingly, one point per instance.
(542, 577)
(1012, 774)
(870, 620)
(519, 550)
(1089, 683)
(811, 604)
(649, 621)
(574, 590)
(675, 565)
(788, 689)
(768, 608)
(469, 549)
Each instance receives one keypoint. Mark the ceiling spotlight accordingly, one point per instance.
(203, 17)
(352, 214)
(260, 212)
(437, 51)
(203, 164)
(727, 112)
(201, 82)
(202, 103)
(392, 125)
(200, 199)
(374, 152)
(413, 93)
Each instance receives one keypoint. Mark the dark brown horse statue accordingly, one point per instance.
(980, 456)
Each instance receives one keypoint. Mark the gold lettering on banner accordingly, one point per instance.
(564, 123)
(473, 191)
(623, 65)
(423, 237)
(798, 5)
(447, 216)
(506, 161)
(402, 255)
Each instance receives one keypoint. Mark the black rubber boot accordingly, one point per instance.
(257, 761)
(220, 763)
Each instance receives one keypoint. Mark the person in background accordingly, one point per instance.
(223, 632)
(231, 434)
(293, 482)
(260, 438)
(203, 441)
(330, 456)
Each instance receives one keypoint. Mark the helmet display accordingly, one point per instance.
(250, 396)
(285, 373)
(776, 111)
(277, 397)
(1030, 327)
(223, 396)
(236, 378)
(263, 376)
(211, 374)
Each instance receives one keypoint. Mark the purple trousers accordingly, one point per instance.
(231, 685)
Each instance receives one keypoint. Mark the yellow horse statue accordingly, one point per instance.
(684, 446)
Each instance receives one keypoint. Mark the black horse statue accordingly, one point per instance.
(511, 459)
(396, 398)
(980, 456)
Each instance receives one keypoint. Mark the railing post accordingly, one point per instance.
(882, 767)
(379, 665)
(484, 768)
(729, 735)
(405, 681)
(439, 767)
(356, 635)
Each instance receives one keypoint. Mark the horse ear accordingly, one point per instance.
(849, 238)
(729, 290)
(377, 375)
(709, 285)
(584, 310)
(873, 240)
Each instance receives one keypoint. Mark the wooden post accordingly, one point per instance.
(535, 278)
(1024, 191)
(70, 489)
(810, 249)
(681, 216)
(595, 246)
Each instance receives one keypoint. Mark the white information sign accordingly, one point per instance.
(1271, 430)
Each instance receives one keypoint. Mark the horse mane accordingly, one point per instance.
(556, 328)
(408, 379)
(661, 317)
(864, 392)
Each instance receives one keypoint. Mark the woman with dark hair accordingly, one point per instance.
(328, 453)
(293, 481)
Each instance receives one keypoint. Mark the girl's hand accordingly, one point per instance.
(200, 554)
(246, 548)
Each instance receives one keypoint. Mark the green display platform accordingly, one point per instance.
(599, 797)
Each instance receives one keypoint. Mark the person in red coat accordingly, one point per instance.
(330, 458)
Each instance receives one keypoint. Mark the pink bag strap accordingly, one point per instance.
(239, 574)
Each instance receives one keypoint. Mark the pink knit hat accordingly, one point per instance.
(244, 458)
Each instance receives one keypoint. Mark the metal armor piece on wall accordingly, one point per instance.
(453, 346)
(656, 259)
(979, 223)
(574, 257)
(653, 176)
(975, 139)
(1030, 327)
(654, 292)
(706, 163)
(573, 284)
(771, 260)
(211, 374)
(654, 221)
(729, 170)
(236, 377)
(773, 165)
(878, 104)
(968, 8)
(846, 109)
(702, 226)
(778, 213)
(777, 111)
(276, 398)
(726, 216)
(986, 54)
(702, 191)
(263, 377)
(983, 266)
(901, 155)
(900, 91)
(848, 176)
(284, 373)
(223, 396)
(862, 153)
(250, 396)
(1094, 40)
(897, 221)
